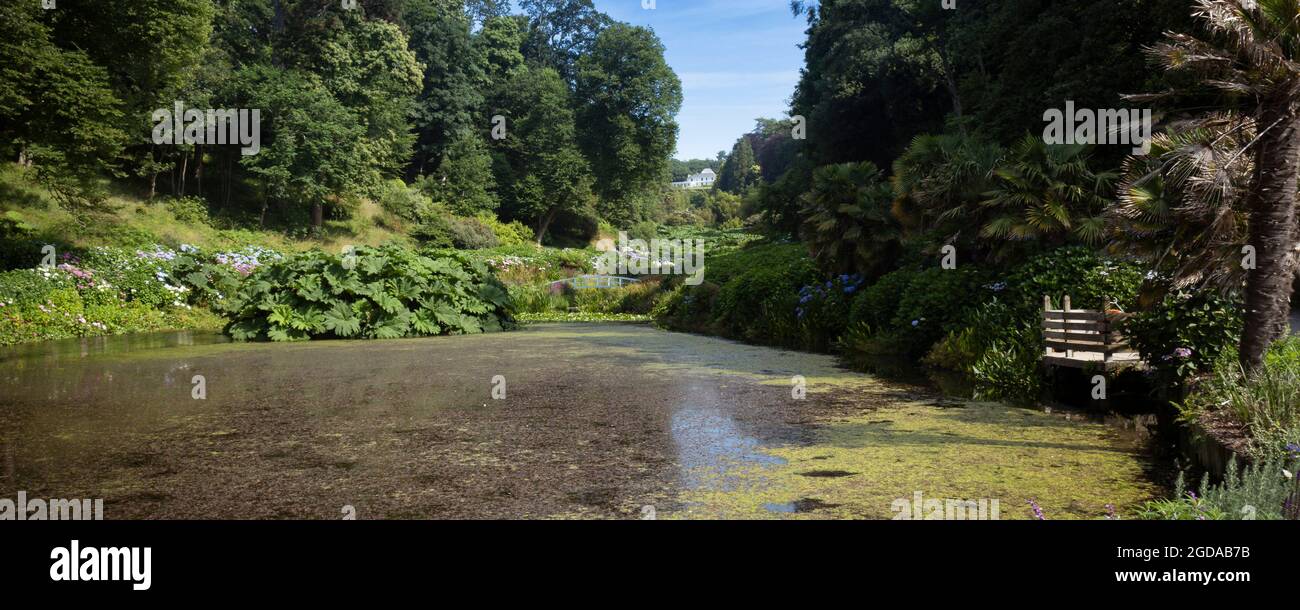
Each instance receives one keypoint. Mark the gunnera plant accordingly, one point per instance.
(373, 293)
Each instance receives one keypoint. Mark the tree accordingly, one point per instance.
(498, 47)
(627, 98)
(561, 31)
(740, 171)
(463, 180)
(58, 100)
(1045, 194)
(368, 67)
(451, 94)
(313, 146)
(939, 183)
(847, 225)
(1182, 206)
(1251, 57)
(539, 167)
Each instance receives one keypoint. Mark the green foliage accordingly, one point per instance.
(1087, 277)
(822, 310)
(877, 305)
(749, 294)
(1007, 366)
(102, 291)
(1266, 403)
(407, 203)
(375, 293)
(741, 171)
(541, 171)
(847, 223)
(937, 301)
(315, 148)
(627, 100)
(471, 234)
(1045, 194)
(513, 233)
(463, 181)
(189, 210)
(939, 182)
(1264, 490)
(451, 91)
(19, 247)
(1186, 334)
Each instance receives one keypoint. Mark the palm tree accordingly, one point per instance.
(1180, 206)
(938, 184)
(847, 224)
(1046, 193)
(1251, 58)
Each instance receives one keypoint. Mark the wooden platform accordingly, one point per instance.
(1086, 339)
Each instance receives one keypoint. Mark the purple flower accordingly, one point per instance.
(1038, 511)
(1293, 449)
(1183, 352)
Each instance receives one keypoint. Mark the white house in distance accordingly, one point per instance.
(700, 180)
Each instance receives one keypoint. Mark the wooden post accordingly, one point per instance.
(1065, 331)
(1105, 332)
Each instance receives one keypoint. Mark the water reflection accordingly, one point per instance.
(712, 450)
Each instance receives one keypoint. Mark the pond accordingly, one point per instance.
(586, 421)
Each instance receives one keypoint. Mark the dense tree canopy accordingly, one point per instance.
(349, 99)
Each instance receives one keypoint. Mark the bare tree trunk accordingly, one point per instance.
(317, 217)
(545, 222)
(198, 171)
(1272, 230)
(230, 171)
(951, 84)
(185, 168)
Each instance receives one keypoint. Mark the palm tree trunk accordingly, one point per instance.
(1272, 230)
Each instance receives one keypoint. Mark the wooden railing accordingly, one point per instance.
(588, 282)
(1082, 338)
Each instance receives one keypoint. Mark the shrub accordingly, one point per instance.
(1268, 403)
(408, 203)
(937, 301)
(641, 297)
(189, 210)
(1264, 490)
(1087, 277)
(380, 293)
(471, 234)
(847, 220)
(877, 305)
(513, 233)
(56, 303)
(213, 278)
(142, 275)
(1185, 334)
(537, 298)
(19, 247)
(823, 310)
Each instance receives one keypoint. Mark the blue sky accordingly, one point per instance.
(738, 60)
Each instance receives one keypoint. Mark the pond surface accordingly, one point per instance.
(597, 421)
